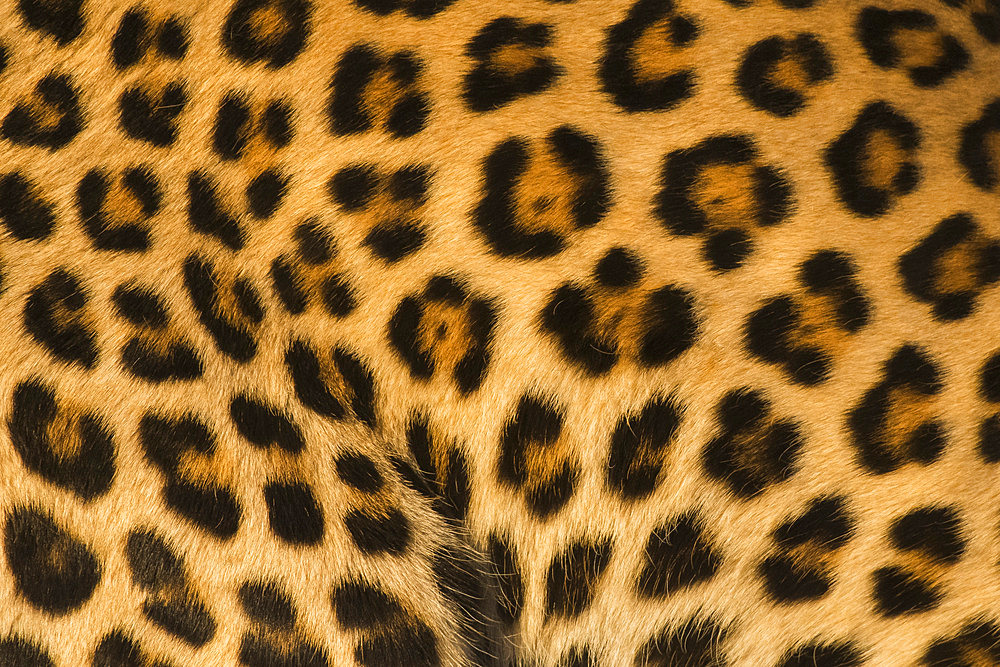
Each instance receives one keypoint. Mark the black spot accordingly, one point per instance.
(25, 213)
(359, 605)
(989, 379)
(507, 574)
(408, 645)
(879, 32)
(618, 268)
(232, 127)
(639, 444)
(390, 533)
(755, 450)
(881, 450)
(353, 187)
(233, 338)
(620, 73)
(573, 577)
(273, 32)
(18, 651)
(934, 531)
(165, 441)
(89, 470)
(360, 472)
(278, 124)
(107, 231)
(420, 9)
(128, 45)
(118, 649)
(153, 563)
(978, 639)
(698, 642)
(490, 84)
(52, 569)
(678, 554)
(312, 388)
(28, 123)
(898, 591)
(850, 160)
(59, 19)
(207, 215)
(147, 115)
(294, 512)
(587, 192)
(823, 654)
(54, 315)
(757, 78)
(173, 39)
(266, 192)
(395, 241)
(263, 425)
(578, 656)
(980, 162)
(463, 580)
(266, 603)
(722, 221)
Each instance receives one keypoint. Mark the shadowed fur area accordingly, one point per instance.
(530, 333)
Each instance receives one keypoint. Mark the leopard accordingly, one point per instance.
(527, 333)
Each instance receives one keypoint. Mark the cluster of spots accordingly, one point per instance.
(648, 63)
(445, 331)
(139, 34)
(170, 601)
(388, 632)
(444, 469)
(375, 523)
(951, 267)
(723, 191)
(984, 15)
(509, 580)
(989, 428)
(273, 639)
(574, 575)
(639, 446)
(52, 569)
(538, 192)
(116, 212)
(910, 39)
(777, 74)
(207, 215)
(49, 116)
(375, 91)
(895, 423)
(679, 553)
(308, 276)
(536, 458)
(979, 151)
(228, 306)
(336, 386)
(58, 315)
(68, 447)
(807, 550)
(267, 32)
(511, 62)
(754, 449)
(617, 318)
(386, 206)
(25, 212)
(157, 351)
(62, 21)
(874, 162)
(805, 332)
(929, 541)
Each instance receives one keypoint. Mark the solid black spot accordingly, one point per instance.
(573, 577)
(173, 39)
(153, 563)
(678, 554)
(756, 75)
(52, 569)
(206, 214)
(360, 472)
(877, 30)
(294, 512)
(507, 574)
(488, 86)
(823, 654)
(408, 645)
(618, 268)
(389, 534)
(187, 619)
(265, 193)
(232, 127)
(462, 579)
(977, 639)
(898, 591)
(420, 9)
(989, 439)
(934, 531)
(698, 642)
(118, 649)
(128, 43)
(89, 472)
(353, 187)
(848, 158)
(141, 306)
(212, 508)
(638, 444)
(394, 241)
(27, 216)
(263, 425)
(60, 19)
(974, 151)
(18, 651)
(247, 33)
(278, 124)
(634, 90)
(152, 117)
(266, 603)
(261, 650)
(359, 605)
(49, 317)
(24, 126)
(338, 296)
